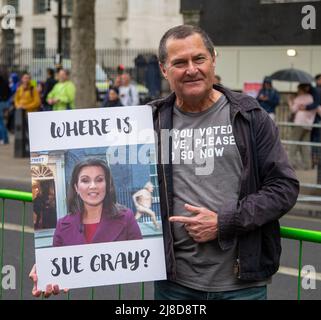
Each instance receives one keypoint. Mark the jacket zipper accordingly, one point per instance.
(165, 182)
(237, 266)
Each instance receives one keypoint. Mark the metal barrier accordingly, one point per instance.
(26, 197)
(300, 235)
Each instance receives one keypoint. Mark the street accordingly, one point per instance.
(283, 287)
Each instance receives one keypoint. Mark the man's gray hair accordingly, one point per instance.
(182, 32)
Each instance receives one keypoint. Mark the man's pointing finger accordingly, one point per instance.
(182, 219)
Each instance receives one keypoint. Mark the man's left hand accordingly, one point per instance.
(202, 227)
(302, 107)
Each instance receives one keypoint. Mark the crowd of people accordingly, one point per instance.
(305, 111)
(56, 93)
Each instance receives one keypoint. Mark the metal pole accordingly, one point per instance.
(59, 40)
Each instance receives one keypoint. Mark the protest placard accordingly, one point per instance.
(95, 192)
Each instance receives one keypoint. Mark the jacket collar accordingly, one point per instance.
(239, 102)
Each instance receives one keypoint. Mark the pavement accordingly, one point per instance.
(13, 170)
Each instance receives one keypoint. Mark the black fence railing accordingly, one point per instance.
(141, 63)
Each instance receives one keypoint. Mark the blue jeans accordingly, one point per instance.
(168, 290)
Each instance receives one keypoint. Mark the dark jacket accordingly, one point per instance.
(49, 84)
(272, 102)
(4, 89)
(111, 104)
(264, 197)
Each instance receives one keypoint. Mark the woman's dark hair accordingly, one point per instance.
(114, 88)
(75, 203)
(305, 87)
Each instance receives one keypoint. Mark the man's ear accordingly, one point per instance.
(163, 70)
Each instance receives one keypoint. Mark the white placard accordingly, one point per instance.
(102, 264)
(88, 128)
(56, 139)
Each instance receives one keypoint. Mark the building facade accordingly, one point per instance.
(120, 24)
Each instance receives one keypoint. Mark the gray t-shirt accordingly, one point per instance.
(206, 172)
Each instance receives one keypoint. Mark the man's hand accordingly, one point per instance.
(50, 289)
(202, 227)
(302, 107)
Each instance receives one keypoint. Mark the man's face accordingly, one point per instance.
(189, 68)
(125, 79)
(318, 81)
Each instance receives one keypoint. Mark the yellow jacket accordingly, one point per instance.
(28, 99)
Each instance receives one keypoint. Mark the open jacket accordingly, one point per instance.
(269, 188)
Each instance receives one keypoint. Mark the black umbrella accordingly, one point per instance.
(292, 75)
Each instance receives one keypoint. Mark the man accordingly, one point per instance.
(268, 97)
(143, 202)
(62, 96)
(220, 218)
(224, 238)
(128, 92)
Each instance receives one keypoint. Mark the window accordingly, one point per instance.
(40, 6)
(69, 7)
(66, 38)
(9, 47)
(14, 3)
(8, 39)
(39, 43)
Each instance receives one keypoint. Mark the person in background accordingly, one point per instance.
(27, 99)
(13, 85)
(27, 96)
(38, 205)
(268, 97)
(62, 96)
(128, 92)
(112, 98)
(315, 133)
(4, 105)
(304, 118)
(49, 85)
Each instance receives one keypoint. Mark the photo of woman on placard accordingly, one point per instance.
(94, 215)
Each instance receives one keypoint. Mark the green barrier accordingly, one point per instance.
(301, 235)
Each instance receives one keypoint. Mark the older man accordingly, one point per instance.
(128, 92)
(225, 184)
(224, 180)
